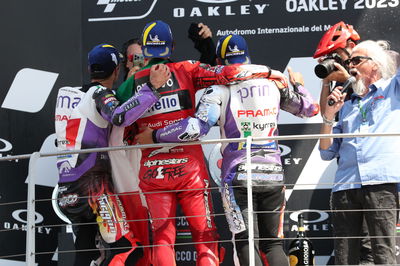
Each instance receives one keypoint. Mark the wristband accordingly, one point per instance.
(154, 136)
(327, 121)
(326, 85)
(153, 89)
(151, 86)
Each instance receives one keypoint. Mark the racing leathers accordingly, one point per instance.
(178, 174)
(83, 118)
(246, 109)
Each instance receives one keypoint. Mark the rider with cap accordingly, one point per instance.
(249, 108)
(86, 193)
(181, 169)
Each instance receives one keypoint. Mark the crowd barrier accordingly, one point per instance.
(31, 201)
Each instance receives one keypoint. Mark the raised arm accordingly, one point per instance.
(189, 129)
(297, 101)
(131, 110)
(205, 76)
(328, 146)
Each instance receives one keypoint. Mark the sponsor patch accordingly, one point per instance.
(150, 163)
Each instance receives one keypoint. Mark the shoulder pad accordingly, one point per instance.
(99, 90)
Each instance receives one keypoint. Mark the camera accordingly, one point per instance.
(326, 67)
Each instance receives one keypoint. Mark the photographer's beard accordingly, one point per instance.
(359, 87)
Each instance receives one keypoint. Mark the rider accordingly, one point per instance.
(83, 118)
(179, 168)
(249, 108)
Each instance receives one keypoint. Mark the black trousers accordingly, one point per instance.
(381, 224)
(266, 225)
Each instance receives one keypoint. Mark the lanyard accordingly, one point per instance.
(363, 112)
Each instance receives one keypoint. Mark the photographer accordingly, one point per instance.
(333, 49)
(133, 57)
(338, 51)
(367, 175)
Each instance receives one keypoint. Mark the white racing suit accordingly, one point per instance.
(86, 192)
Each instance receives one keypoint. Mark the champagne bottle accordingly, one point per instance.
(301, 251)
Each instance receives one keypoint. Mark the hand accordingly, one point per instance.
(159, 75)
(338, 97)
(295, 77)
(145, 136)
(132, 71)
(205, 32)
(340, 75)
(275, 74)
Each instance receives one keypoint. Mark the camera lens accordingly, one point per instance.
(326, 67)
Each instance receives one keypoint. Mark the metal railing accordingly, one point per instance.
(30, 240)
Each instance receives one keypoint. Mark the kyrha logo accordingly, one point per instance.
(245, 126)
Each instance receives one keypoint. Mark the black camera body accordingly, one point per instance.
(327, 66)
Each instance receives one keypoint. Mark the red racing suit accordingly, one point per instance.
(179, 174)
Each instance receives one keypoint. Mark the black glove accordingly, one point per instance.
(206, 47)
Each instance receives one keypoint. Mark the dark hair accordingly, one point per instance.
(127, 44)
(97, 72)
(124, 50)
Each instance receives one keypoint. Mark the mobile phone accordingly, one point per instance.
(138, 60)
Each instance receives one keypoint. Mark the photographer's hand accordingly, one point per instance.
(328, 116)
(338, 97)
(340, 75)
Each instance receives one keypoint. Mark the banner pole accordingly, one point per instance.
(250, 202)
(30, 232)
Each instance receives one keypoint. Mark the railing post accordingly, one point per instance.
(30, 230)
(250, 202)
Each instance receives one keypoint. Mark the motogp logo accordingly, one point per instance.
(120, 10)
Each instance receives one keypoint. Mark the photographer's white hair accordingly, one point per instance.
(379, 52)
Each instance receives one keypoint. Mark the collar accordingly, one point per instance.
(155, 61)
(381, 83)
(86, 87)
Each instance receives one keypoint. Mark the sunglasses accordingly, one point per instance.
(356, 60)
